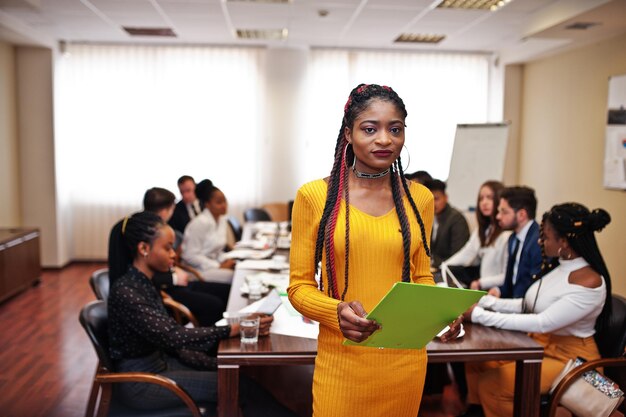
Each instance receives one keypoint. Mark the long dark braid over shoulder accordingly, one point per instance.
(577, 224)
(359, 100)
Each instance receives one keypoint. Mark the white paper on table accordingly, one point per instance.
(262, 264)
(445, 329)
(247, 254)
(252, 244)
(284, 323)
(289, 325)
(250, 308)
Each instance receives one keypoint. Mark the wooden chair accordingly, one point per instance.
(94, 319)
(179, 311)
(612, 345)
(279, 212)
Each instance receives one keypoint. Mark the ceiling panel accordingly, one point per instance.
(376, 25)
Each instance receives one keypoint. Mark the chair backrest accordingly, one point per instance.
(94, 318)
(277, 211)
(235, 227)
(612, 340)
(256, 215)
(99, 282)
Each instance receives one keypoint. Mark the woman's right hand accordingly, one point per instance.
(352, 322)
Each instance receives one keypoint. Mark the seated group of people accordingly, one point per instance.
(548, 280)
(143, 337)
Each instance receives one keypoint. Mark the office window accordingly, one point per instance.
(133, 117)
(439, 91)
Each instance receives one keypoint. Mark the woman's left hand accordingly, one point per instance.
(455, 329)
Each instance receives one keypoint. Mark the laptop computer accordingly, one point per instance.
(449, 278)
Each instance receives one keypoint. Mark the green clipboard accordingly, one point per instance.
(411, 315)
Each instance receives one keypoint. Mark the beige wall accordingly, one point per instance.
(564, 104)
(512, 113)
(36, 132)
(9, 167)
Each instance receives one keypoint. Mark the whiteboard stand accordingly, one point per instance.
(478, 155)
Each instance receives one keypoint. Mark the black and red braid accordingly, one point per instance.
(358, 101)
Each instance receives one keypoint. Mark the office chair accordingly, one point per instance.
(94, 319)
(235, 227)
(612, 344)
(256, 215)
(99, 282)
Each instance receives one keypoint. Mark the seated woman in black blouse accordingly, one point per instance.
(144, 338)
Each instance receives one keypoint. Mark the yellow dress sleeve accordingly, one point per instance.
(303, 290)
(420, 259)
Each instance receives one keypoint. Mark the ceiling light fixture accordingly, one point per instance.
(164, 32)
(419, 38)
(260, 1)
(582, 25)
(492, 5)
(266, 34)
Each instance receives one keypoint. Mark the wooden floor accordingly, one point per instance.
(47, 363)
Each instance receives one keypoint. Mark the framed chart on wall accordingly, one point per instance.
(615, 142)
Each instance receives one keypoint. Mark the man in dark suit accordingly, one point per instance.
(450, 231)
(188, 207)
(516, 212)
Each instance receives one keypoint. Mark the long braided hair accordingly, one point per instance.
(359, 100)
(140, 227)
(489, 222)
(577, 224)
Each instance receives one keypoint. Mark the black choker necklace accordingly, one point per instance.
(368, 176)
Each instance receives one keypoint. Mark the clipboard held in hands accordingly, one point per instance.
(411, 315)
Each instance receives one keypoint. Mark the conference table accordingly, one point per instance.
(478, 344)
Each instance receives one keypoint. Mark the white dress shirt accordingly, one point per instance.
(492, 258)
(560, 308)
(204, 241)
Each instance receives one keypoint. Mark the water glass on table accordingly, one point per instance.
(249, 330)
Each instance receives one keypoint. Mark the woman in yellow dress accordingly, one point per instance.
(363, 228)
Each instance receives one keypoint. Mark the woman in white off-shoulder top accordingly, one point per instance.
(561, 310)
(487, 245)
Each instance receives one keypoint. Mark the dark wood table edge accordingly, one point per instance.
(527, 373)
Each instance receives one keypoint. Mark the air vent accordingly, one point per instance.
(417, 38)
(163, 32)
(265, 34)
(260, 1)
(581, 25)
(473, 4)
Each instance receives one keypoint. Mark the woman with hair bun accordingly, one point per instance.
(206, 236)
(561, 310)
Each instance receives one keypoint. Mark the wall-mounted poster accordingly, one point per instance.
(615, 146)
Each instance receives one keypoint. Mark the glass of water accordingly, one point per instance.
(249, 330)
